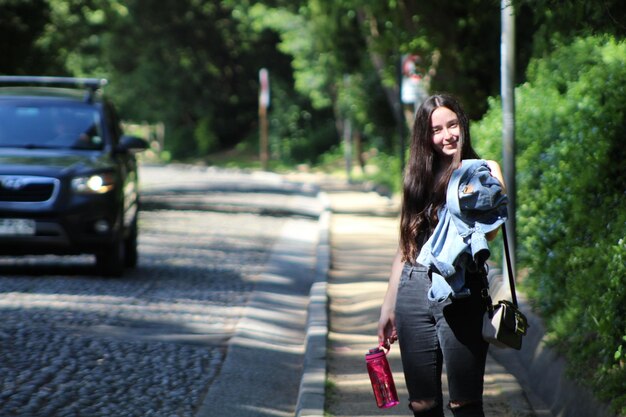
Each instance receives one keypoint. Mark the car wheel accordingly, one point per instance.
(110, 261)
(131, 253)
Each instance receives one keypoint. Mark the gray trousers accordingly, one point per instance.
(431, 334)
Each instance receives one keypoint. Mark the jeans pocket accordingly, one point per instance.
(405, 276)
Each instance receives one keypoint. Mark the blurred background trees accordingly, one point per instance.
(193, 64)
(334, 70)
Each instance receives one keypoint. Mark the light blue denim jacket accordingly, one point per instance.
(475, 205)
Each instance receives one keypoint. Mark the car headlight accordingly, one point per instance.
(93, 184)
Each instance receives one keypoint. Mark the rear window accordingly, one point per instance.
(50, 125)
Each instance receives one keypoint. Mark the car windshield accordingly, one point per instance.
(67, 126)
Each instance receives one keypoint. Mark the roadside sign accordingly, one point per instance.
(264, 90)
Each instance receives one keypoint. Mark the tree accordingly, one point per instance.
(23, 23)
(571, 214)
(561, 20)
(194, 63)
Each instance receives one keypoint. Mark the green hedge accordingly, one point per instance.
(571, 203)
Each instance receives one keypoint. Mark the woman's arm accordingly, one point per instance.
(387, 323)
(496, 172)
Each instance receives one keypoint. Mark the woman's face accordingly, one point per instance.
(446, 131)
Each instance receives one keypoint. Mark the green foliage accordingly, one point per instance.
(470, 48)
(187, 63)
(206, 139)
(384, 170)
(559, 20)
(331, 69)
(571, 199)
(21, 25)
(181, 61)
(296, 33)
(487, 134)
(298, 132)
(76, 35)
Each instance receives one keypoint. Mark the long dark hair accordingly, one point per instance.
(423, 195)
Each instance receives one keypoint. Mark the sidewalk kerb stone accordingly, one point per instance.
(312, 392)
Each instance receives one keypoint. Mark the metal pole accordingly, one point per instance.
(507, 87)
(401, 119)
(264, 101)
(347, 135)
(347, 147)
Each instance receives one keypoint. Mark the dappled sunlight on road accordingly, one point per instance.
(268, 345)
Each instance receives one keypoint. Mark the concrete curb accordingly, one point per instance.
(312, 391)
(257, 377)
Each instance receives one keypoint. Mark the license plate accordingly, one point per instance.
(17, 227)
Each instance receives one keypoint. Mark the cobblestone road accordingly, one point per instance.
(149, 344)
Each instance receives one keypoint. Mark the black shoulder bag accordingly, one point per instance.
(504, 324)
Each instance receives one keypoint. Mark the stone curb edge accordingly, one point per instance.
(312, 391)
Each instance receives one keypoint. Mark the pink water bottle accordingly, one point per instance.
(381, 378)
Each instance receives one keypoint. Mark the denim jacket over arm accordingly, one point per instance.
(475, 205)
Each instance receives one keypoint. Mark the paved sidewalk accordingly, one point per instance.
(363, 238)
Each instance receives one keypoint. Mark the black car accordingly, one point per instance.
(68, 175)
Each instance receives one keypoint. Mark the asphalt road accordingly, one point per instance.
(154, 342)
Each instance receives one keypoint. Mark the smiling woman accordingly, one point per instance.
(433, 305)
(446, 130)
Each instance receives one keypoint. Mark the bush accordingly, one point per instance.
(570, 120)
(297, 132)
(206, 139)
(384, 170)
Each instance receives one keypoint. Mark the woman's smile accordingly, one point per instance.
(446, 131)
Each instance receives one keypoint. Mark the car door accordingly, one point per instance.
(126, 167)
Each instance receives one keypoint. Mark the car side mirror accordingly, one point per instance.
(131, 144)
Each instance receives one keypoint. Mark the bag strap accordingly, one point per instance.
(485, 291)
(509, 269)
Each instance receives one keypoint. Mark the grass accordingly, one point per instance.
(330, 395)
